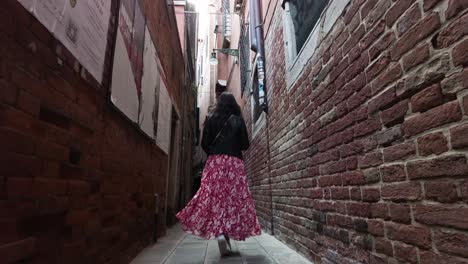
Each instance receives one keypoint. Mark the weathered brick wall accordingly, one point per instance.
(257, 170)
(162, 25)
(369, 147)
(76, 178)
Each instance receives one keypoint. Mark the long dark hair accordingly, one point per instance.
(226, 106)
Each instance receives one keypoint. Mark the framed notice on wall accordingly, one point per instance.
(124, 91)
(163, 138)
(150, 86)
(137, 76)
(81, 26)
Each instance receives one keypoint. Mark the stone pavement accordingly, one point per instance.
(180, 248)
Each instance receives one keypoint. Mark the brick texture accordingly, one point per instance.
(455, 7)
(427, 99)
(441, 191)
(405, 253)
(421, 30)
(393, 156)
(450, 166)
(408, 20)
(459, 53)
(435, 117)
(451, 243)
(416, 57)
(465, 104)
(400, 213)
(452, 32)
(418, 236)
(432, 214)
(459, 136)
(435, 143)
(393, 173)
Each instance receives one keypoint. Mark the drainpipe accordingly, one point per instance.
(258, 28)
(257, 20)
(258, 23)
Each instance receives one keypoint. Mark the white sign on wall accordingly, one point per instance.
(148, 117)
(28, 4)
(81, 25)
(137, 74)
(124, 92)
(48, 12)
(163, 138)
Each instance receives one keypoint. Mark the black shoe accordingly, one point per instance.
(228, 240)
(222, 244)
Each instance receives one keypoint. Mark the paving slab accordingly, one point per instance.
(178, 247)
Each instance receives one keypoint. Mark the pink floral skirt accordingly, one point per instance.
(223, 204)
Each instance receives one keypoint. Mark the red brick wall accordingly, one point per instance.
(369, 147)
(161, 23)
(76, 178)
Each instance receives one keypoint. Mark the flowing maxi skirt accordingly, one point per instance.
(223, 204)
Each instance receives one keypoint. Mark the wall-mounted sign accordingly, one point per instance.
(124, 91)
(163, 138)
(82, 27)
(138, 88)
(150, 86)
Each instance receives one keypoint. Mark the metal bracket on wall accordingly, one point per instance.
(209, 13)
(232, 52)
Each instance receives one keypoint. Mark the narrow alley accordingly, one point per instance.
(321, 131)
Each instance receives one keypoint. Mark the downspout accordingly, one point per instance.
(259, 29)
(258, 23)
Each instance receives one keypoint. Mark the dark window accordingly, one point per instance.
(257, 111)
(305, 14)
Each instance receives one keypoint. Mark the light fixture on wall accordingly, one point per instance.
(213, 59)
(232, 52)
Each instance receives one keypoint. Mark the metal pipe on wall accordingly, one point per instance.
(257, 20)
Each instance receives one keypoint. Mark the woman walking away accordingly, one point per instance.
(223, 207)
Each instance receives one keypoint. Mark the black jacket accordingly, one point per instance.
(232, 140)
